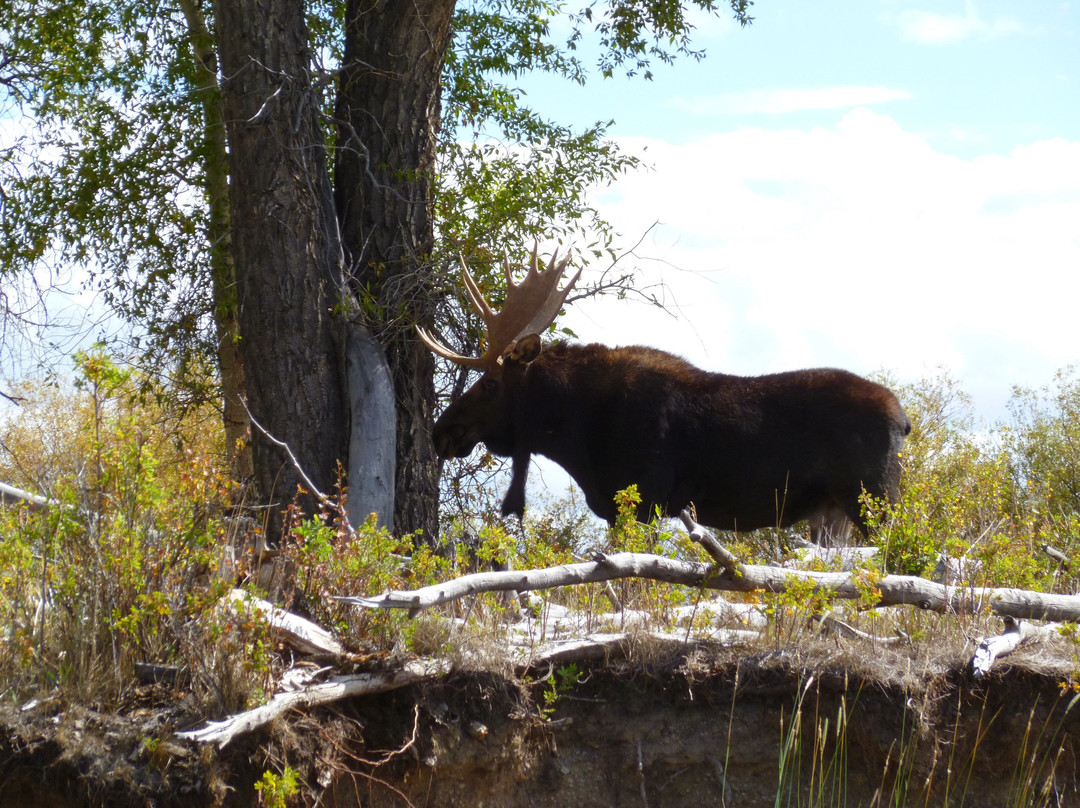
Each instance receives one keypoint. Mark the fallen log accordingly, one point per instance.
(337, 688)
(560, 652)
(733, 576)
(1016, 633)
(295, 631)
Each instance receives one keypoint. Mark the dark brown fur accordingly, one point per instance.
(748, 452)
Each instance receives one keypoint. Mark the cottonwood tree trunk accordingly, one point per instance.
(235, 418)
(285, 247)
(389, 114)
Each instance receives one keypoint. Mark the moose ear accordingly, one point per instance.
(525, 350)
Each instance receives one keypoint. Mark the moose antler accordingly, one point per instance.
(531, 306)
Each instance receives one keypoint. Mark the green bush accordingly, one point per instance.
(122, 569)
(994, 495)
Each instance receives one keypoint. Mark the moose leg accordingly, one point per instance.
(514, 501)
(830, 527)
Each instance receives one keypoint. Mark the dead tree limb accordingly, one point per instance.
(892, 590)
(724, 558)
(1057, 555)
(831, 623)
(1016, 633)
(10, 495)
(337, 688)
(295, 631)
(609, 568)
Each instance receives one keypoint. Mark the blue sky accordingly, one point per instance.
(973, 78)
(881, 186)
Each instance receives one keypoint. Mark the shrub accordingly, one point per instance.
(980, 493)
(123, 569)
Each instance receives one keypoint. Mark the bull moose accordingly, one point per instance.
(748, 452)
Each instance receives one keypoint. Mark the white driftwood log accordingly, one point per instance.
(338, 687)
(10, 495)
(595, 646)
(609, 568)
(1017, 632)
(895, 590)
(296, 632)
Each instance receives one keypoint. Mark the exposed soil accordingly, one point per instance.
(701, 729)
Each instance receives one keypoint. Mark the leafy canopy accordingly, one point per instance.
(110, 171)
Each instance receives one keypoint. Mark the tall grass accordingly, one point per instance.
(815, 760)
(814, 771)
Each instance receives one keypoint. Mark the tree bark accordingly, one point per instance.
(388, 118)
(235, 418)
(372, 454)
(286, 248)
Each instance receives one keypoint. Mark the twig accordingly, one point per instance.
(325, 500)
(265, 104)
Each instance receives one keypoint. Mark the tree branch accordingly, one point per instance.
(612, 567)
(339, 687)
(10, 495)
(893, 590)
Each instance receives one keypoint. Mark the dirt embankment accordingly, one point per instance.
(693, 731)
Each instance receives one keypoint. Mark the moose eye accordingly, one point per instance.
(489, 385)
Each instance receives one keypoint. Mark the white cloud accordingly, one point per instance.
(933, 28)
(776, 101)
(856, 245)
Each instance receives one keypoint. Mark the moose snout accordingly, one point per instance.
(451, 441)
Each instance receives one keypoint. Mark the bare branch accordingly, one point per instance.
(1057, 555)
(894, 590)
(339, 687)
(1016, 633)
(299, 469)
(720, 554)
(10, 495)
(831, 623)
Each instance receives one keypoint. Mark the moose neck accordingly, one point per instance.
(560, 412)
